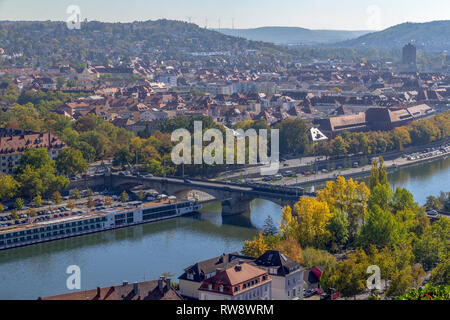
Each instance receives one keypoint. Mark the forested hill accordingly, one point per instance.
(293, 35)
(431, 36)
(95, 40)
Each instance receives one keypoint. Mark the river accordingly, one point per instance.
(147, 251)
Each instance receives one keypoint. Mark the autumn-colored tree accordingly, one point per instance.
(108, 201)
(90, 203)
(141, 195)
(291, 248)
(256, 247)
(309, 224)
(349, 197)
(56, 197)
(71, 205)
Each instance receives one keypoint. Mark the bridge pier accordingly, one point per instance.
(232, 207)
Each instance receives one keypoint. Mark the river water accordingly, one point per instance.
(145, 252)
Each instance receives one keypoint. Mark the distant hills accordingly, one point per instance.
(293, 35)
(97, 41)
(431, 36)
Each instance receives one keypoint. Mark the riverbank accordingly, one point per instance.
(394, 164)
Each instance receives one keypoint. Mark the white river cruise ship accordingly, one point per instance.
(92, 222)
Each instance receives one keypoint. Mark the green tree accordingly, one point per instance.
(124, 197)
(56, 197)
(19, 204)
(76, 194)
(8, 187)
(270, 229)
(381, 229)
(441, 274)
(378, 174)
(347, 277)
(37, 201)
(338, 227)
(70, 161)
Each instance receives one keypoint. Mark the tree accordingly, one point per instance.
(2, 208)
(8, 187)
(270, 229)
(348, 196)
(338, 227)
(339, 146)
(70, 161)
(441, 274)
(70, 205)
(255, 248)
(430, 292)
(76, 194)
(347, 277)
(124, 197)
(141, 195)
(36, 158)
(291, 248)
(56, 197)
(89, 192)
(400, 282)
(19, 204)
(31, 212)
(433, 203)
(308, 225)
(381, 229)
(378, 174)
(315, 258)
(108, 201)
(14, 214)
(294, 137)
(37, 201)
(90, 203)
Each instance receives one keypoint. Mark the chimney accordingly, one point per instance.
(168, 283)
(98, 292)
(136, 288)
(124, 283)
(160, 284)
(238, 268)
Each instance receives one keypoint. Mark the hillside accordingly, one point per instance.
(98, 41)
(431, 36)
(293, 35)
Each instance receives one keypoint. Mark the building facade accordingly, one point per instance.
(241, 282)
(14, 142)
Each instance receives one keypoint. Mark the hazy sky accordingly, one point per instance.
(314, 14)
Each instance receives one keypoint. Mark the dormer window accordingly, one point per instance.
(210, 286)
(220, 288)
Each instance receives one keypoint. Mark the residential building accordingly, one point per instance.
(194, 275)
(150, 290)
(14, 142)
(286, 274)
(241, 282)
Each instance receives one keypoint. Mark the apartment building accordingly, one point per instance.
(14, 142)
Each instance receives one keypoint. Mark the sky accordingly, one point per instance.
(312, 14)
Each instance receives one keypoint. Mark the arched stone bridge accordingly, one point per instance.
(235, 198)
